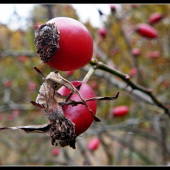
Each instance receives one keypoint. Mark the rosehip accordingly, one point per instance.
(8, 83)
(69, 45)
(15, 113)
(155, 17)
(120, 111)
(32, 86)
(136, 52)
(93, 144)
(155, 54)
(133, 71)
(113, 8)
(37, 25)
(146, 30)
(79, 114)
(102, 32)
(55, 151)
(0, 117)
(69, 73)
(94, 85)
(134, 5)
(22, 58)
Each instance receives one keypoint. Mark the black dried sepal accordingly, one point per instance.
(64, 131)
(46, 40)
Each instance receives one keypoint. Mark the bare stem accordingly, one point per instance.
(89, 74)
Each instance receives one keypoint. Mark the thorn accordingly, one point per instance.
(39, 71)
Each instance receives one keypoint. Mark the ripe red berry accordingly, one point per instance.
(113, 8)
(93, 144)
(136, 52)
(146, 30)
(94, 85)
(55, 151)
(69, 46)
(8, 83)
(79, 114)
(15, 113)
(155, 54)
(37, 25)
(120, 111)
(22, 58)
(102, 32)
(69, 73)
(155, 17)
(133, 71)
(32, 86)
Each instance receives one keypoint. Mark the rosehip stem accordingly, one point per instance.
(89, 74)
(126, 78)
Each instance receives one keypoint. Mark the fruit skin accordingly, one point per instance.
(55, 151)
(79, 114)
(120, 111)
(76, 45)
(102, 32)
(69, 73)
(155, 17)
(155, 54)
(133, 71)
(146, 30)
(93, 144)
(136, 52)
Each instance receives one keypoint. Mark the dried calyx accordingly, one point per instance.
(49, 100)
(46, 40)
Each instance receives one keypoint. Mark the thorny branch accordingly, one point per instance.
(126, 78)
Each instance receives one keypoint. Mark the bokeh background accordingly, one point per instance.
(141, 137)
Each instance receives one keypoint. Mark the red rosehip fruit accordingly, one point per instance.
(8, 83)
(69, 73)
(22, 58)
(55, 151)
(37, 25)
(134, 5)
(93, 144)
(79, 114)
(102, 32)
(94, 85)
(32, 86)
(69, 45)
(133, 71)
(113, 8)
(15, 113)
(146, 30)
(155, 17)
(155, 54)
(120, 111)
(136, 52)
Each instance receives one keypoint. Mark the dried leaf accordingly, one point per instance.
(32, 128)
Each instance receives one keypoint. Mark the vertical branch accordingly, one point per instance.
(163, 141)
